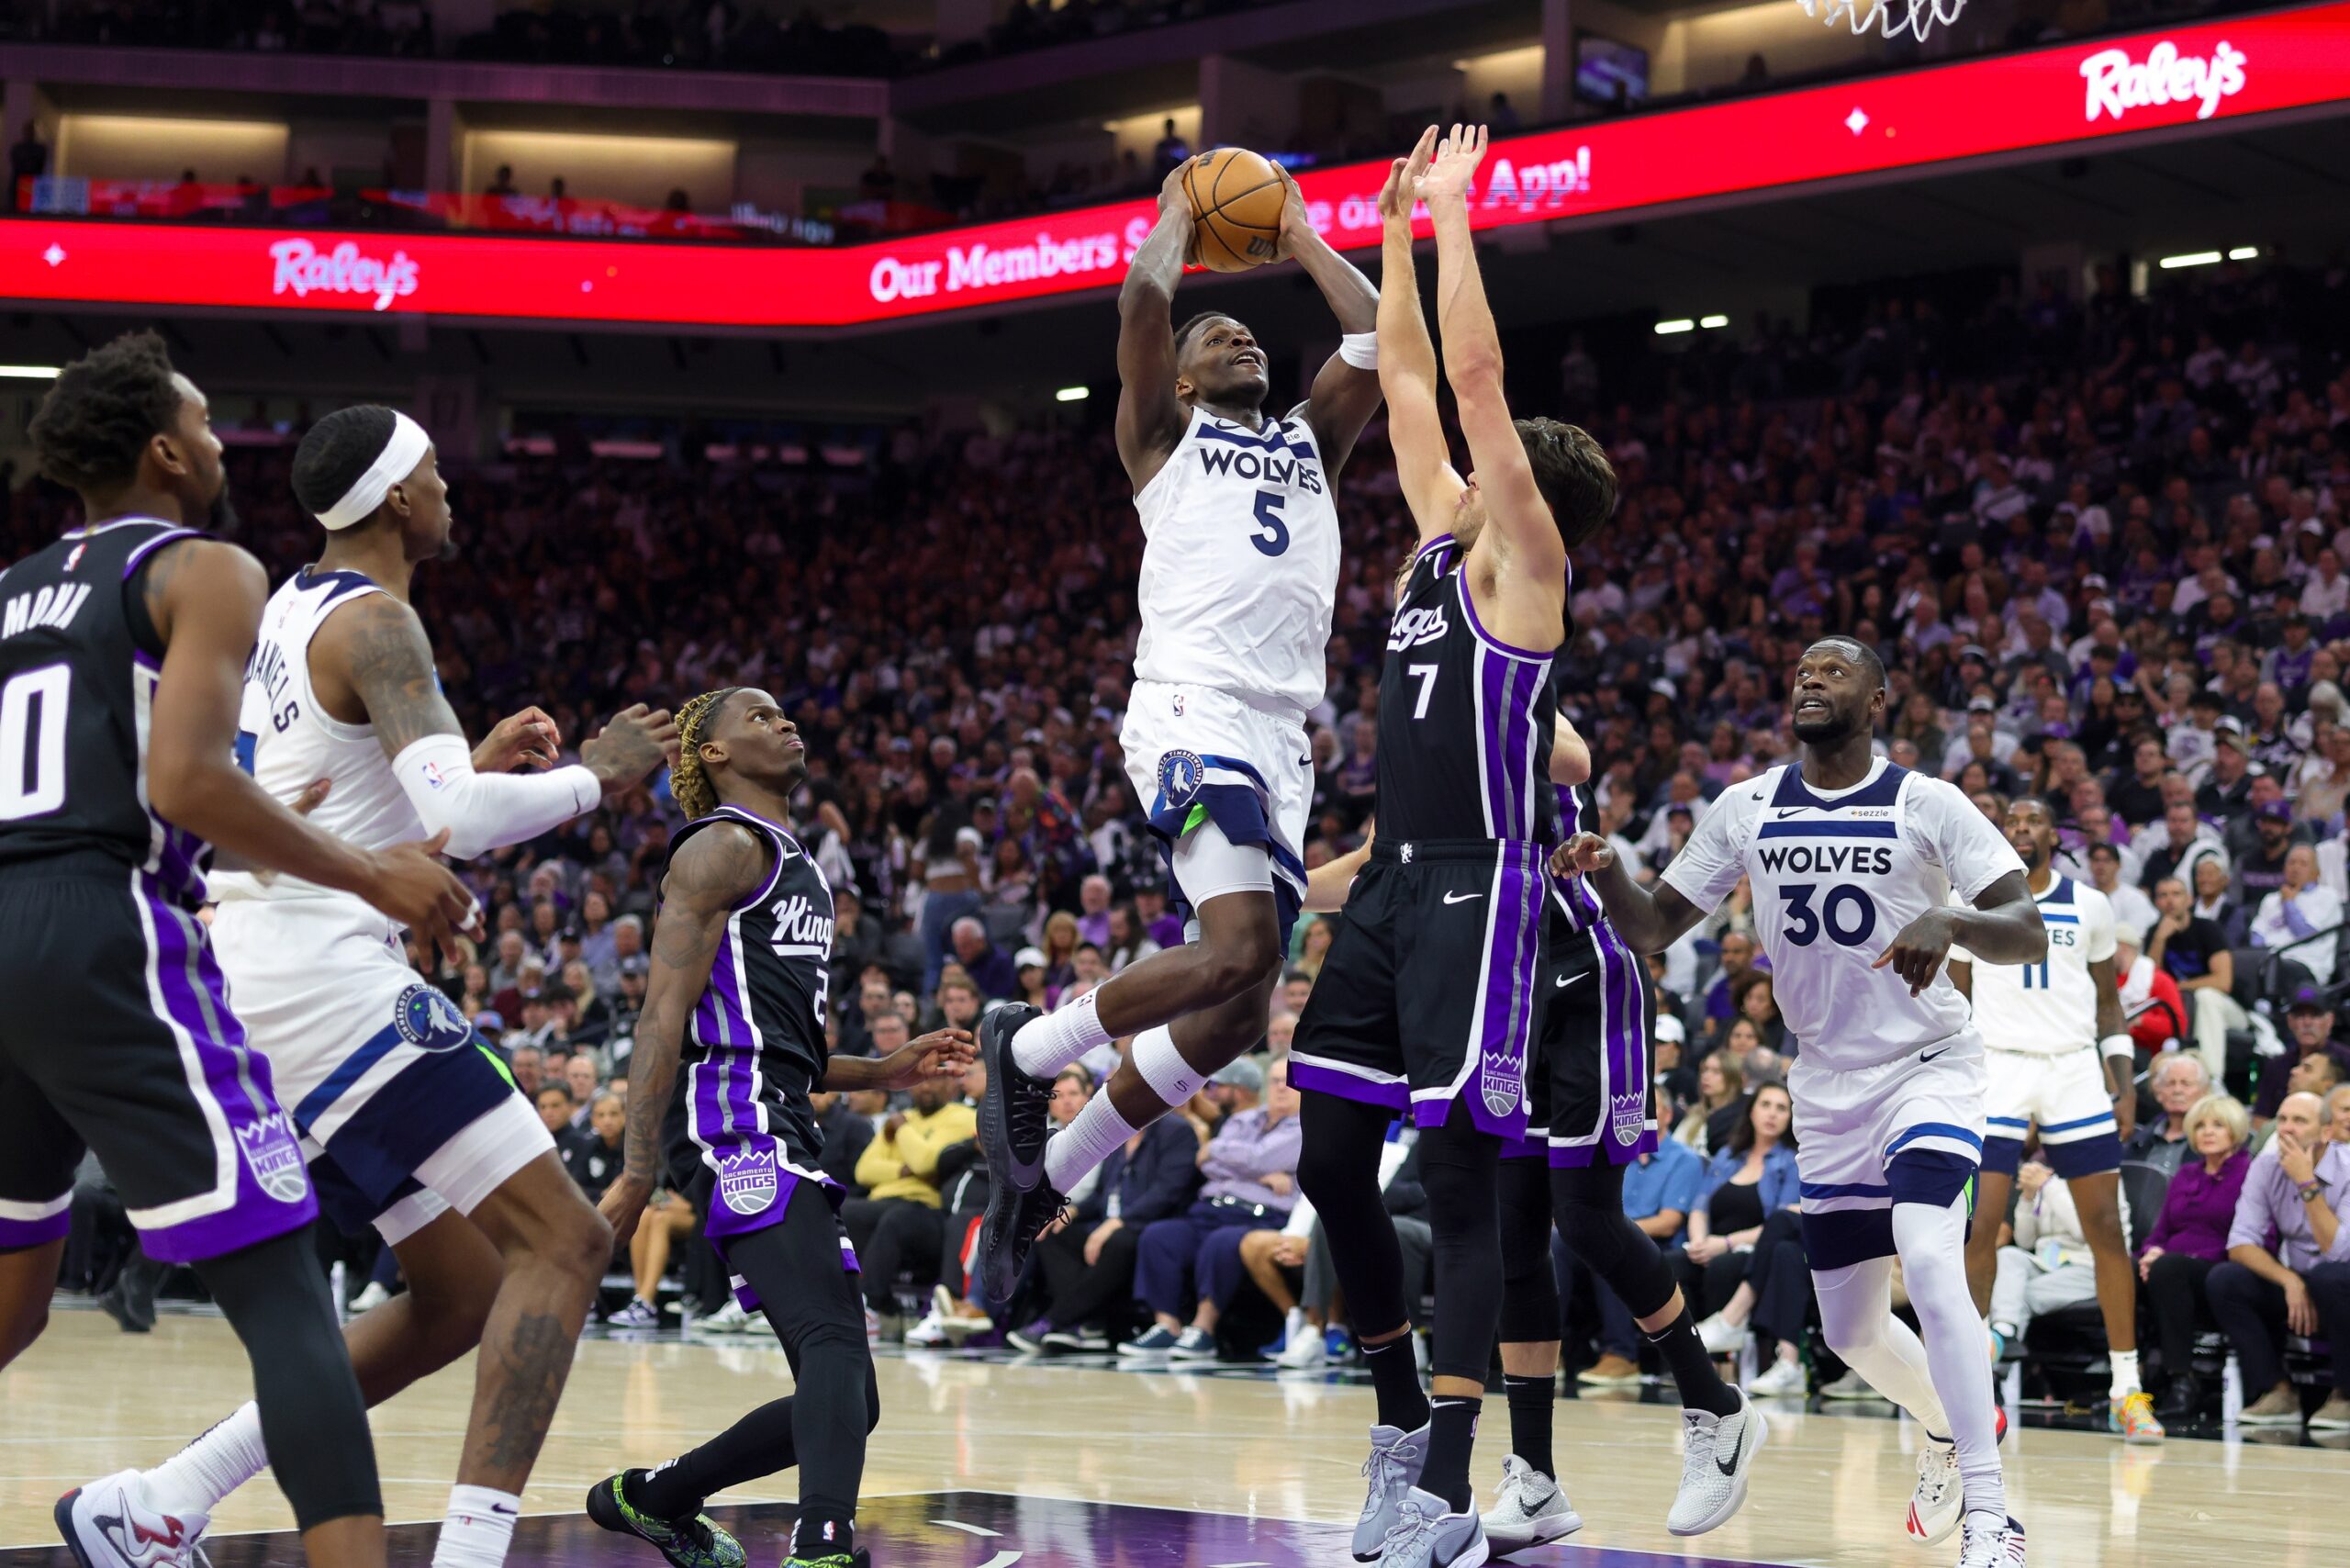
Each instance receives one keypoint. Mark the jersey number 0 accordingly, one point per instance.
(32, 754)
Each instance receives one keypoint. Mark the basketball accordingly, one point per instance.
(1236, 197)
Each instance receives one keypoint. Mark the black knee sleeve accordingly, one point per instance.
(1529, 1283)
(312, 1418)
(1338, 1169)
(1590, 1204)
(1459, 1167)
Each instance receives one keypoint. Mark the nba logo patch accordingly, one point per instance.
(1628, 1117)
(428, 1020)
(73, 556)
(1502, 1084)
(274, 1157)
(746, 1180)
(1180, 774)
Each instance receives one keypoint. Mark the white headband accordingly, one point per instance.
(396, 462)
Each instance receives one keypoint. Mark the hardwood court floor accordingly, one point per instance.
(1136, 1456)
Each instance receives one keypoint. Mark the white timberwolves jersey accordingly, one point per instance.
(2048, 1008)
(285, 740)
(1241, 568)
(1836, 876)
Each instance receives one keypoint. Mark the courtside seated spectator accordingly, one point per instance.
(2189, 1239)
(898, 1219)
(2179, 1082)
(2288, 1267)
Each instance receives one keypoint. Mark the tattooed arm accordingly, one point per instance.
(369, 663)
(717, 870)
(204, 598)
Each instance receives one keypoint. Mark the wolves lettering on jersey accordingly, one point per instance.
(1240, 570)
(78, 671)
(2048, 1008)
(1835, 877)
(285, 739)
(1465, 721)
(756, 1039)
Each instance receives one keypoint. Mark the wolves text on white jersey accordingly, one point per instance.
(2047, 1008)
(1240, 570)
(1836, 876)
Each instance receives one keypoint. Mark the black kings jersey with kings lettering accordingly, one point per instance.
(1465, 720)
(79, 662)
(755, 1043)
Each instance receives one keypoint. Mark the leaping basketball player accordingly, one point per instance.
(1238, 581)
(412, 1125)
(1842, 849)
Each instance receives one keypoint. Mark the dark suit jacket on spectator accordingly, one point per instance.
(846, 1135)
(1155, 1181)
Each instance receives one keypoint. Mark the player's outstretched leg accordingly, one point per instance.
(1190, 1010)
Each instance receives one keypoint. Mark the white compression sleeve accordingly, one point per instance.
(487, 810)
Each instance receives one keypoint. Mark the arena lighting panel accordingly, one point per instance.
(2069, 95)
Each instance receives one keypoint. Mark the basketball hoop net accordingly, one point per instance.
(1890, 19)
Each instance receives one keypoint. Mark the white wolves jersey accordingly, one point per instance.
(285, 739)
(1240, 572)
(1836, 876)
(2048, 1008)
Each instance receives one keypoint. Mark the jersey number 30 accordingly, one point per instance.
(1272, 538)
(32, 750)
(1845, 914)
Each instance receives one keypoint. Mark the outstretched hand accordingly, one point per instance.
(527, 739)
(1456, 157)
(1401, 194)
(946, 1053)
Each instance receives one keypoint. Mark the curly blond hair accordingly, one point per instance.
(697, 797)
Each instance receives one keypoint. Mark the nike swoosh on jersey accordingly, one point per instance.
(1565, 980)
(1461, 898)
(1934, 1056)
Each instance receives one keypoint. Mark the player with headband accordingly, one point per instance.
(409, 1121)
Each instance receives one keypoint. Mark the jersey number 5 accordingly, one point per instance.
(32, 752)
(1274, 539)
(1847, 915)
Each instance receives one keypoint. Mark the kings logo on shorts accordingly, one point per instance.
(1628, 1117)
(746, 1180)
(274, 1156)
(1502, 1084)
(1180, 774)
(428, 1020)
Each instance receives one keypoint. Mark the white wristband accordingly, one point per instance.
(487, 810)
(2119, 1046)
(1359, 350)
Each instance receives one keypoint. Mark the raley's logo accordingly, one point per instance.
(2117, 83)
(303, 269)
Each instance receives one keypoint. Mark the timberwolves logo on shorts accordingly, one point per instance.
(428, 1020)
(1503, 1082)
(1180, 774)
(746, 1180)
(1628, 1117)
(274, 1157)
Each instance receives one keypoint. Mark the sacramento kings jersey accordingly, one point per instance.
(285, 739)
(2048, 1008)
(1465, 721)
(1836, 876)
(1240, 570)
(79, 662)
(756, 1046)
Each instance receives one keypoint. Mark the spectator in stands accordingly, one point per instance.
(1168, 151)
(2131, 907)
(2212, 900)
(2044, 1264)
(1758, 1004)
(1192, 1261)
(2310, 1032)
(1721, 1094)
(2302, 907)
(1661, 1192)
(555, 1107)
(2190, 1238)
(582, 1073)
(2157, 1009)
(524, 1062)
(990, 969)
(1158, 923)
(1129, 944)
(1087, 1270)
(2337, 1112)
(2194, 952)
(503, 185)
(2288, 1266)
(1738, 956)
(1093, 911)
(959, 1003)
(847, 1135)
(594, 1160)
(897, 1221)
(1743, 1260)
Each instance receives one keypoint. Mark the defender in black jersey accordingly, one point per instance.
(122, 650)
(1428, 998)
(740, 960)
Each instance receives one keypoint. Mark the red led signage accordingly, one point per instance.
(2074, 93)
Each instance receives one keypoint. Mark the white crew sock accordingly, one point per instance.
(479, 1527)
(194, 1479)
(1932, 1244)
(1172, 1079)
(1045, 1045)
(2125, 1372)
(1085, 1142)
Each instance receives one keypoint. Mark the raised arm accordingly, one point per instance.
(1651, 921)
(371, 659)
(715, 870)
(1515, 509)
(1151, 417)
(1407, 373)
(1345, 394)
(205, 601)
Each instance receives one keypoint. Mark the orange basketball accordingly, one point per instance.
(1236, 197)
